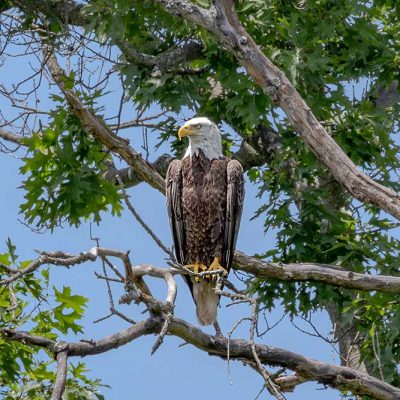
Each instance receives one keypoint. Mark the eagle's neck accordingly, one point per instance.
(210, 146)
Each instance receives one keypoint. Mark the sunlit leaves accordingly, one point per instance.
(64, 168)
(70, 308)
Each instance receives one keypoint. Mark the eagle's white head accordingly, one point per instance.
(203, 135)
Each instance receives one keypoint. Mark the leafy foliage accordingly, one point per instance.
(64, 168)
(25, 305)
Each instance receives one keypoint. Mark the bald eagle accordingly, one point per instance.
(204, 199)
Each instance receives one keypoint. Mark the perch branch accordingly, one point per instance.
(313, 272)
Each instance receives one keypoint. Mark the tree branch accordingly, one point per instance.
(172, 59)
(162, 321)
(68, 11)
(299, 272)
(314, 272)
(335, 376)
(59, 385)
(11, 137)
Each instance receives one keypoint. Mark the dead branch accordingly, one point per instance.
(163, 322)
(140, 220)
(273, 389)
(311, 272)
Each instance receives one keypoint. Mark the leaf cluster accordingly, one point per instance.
(64, 169)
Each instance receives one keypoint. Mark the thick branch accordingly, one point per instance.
(11, 137)
(314, 272)
(331, 375)
(300, 272)
(328, 374)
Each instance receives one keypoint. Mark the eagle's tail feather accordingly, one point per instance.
(206, 301)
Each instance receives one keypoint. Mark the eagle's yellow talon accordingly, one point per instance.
(196, 268)
(216, 266)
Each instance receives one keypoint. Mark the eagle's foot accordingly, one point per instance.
(216, 266)
(196, 268)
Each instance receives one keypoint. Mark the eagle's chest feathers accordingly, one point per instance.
(204, 205)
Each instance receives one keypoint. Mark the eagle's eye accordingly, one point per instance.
(198, 126)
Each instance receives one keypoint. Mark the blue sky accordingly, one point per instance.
(131, 371)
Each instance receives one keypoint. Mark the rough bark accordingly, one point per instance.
(239, 349)
(315, 272)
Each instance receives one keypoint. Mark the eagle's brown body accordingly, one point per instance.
(204, 199)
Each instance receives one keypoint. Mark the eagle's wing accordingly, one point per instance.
(234, 208)
(174, 205)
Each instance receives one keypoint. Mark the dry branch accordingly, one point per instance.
(328, 374)
(314, 272)
(163, 322)
(300, 272)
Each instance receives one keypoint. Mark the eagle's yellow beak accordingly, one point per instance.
(185, 130)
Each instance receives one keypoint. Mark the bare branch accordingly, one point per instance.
(59, 385)
(50, 260)
(328, 374)
(139, 219)
(322, 273)
(289, 382)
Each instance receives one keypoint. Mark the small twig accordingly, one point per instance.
(162, 334)
(141, 221)
(107, 278)
(237, 299)
(13, 300)
(260, 392)
(376, 349)
(96, 321)
(122, 316)
(111, 265)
